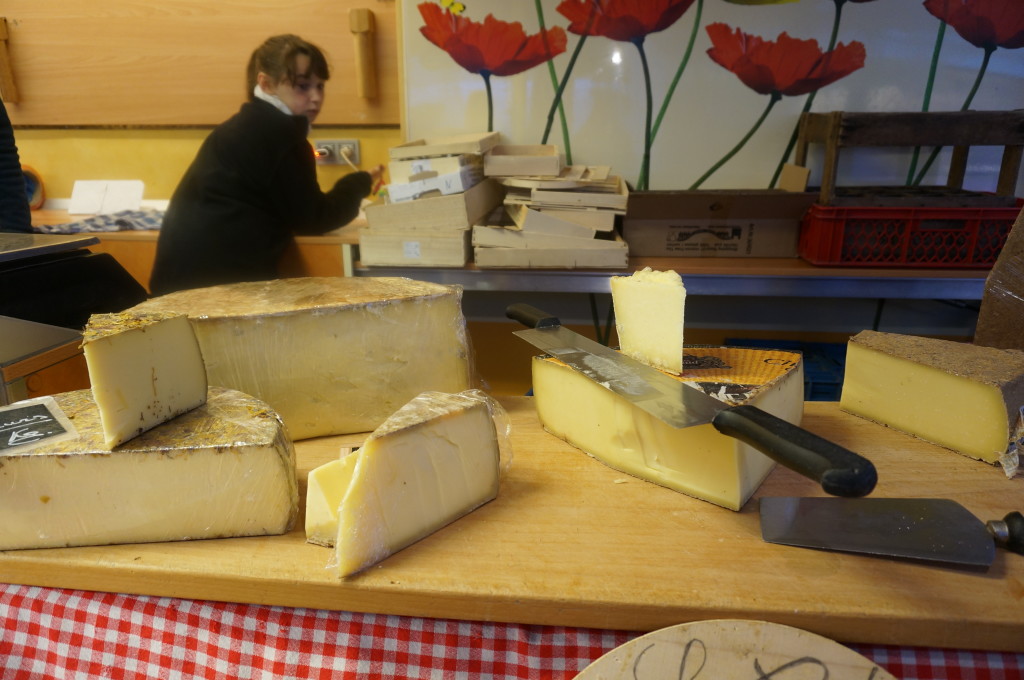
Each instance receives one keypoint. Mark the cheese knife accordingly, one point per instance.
(840, 472)
(926, 529)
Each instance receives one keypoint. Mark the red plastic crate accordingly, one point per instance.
(968, 238)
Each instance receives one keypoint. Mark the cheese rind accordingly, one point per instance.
(649, 308)
(435, 460)
(330, 355)
(699, 460)
(963, 397)
(226, 468)
(144, 369)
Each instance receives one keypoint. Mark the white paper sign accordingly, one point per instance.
(100, 196)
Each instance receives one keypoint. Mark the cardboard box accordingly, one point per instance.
(439, 185)
(527, 160)
(414, 249)
(553, 258)
(412, 169)
(725, 223)
(454, 212)
(508, 237)
(472, 143)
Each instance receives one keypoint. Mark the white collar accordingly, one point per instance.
(275, 101)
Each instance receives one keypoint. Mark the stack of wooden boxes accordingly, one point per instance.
(437, 193)
(555, 216)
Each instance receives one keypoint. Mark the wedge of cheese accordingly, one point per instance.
(144, 369)
(698, 461)
(649, 317)
(331, 355)
(226, 468)
(433, 461)
(963, 397)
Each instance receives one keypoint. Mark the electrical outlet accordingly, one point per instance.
(331, 151)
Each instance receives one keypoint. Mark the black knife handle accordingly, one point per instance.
(840, 472)
(530, 316)
(1009, 532)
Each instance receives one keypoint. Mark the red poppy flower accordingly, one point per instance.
(983, 23)
(787, 66)
(493, 47)
(625, 20)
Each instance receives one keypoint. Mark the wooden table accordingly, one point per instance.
(571, 542)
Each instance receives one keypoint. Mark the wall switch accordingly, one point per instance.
(333, 151)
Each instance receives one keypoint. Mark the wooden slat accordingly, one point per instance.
(181, 62)
(570, 541)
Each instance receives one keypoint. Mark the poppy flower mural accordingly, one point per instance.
(490, 48)
(785, 67)
(613, 71)
(986, 24)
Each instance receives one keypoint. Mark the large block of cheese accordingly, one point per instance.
(698, 460)
(649, 317)
(144, 369)
(964, 397)
(435, 460)
(330, 355)
(226, 468)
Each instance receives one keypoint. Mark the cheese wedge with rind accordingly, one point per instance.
(330, 355)
(961, 396)
(649, 307)
(224, 469)
(144, 369)
(433, 461)
(698, 461)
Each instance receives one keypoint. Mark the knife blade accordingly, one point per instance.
(840, 472)
(926, 529)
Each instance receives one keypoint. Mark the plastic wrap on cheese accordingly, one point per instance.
(331, 355)
(223, 469)
(1002, 304)
(433, 461)
(698, 460)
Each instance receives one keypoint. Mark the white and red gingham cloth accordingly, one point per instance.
(72, 634)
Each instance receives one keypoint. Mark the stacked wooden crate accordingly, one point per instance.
(554, 215)
(436, 194)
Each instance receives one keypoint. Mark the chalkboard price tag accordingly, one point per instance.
(28, 423)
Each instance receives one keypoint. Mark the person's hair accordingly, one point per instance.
(277, 57)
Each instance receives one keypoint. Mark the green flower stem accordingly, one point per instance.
(554, 81)
(929, 86)
(810, 98)
(490, 101)
(775, 97)
(645, 165)
(675, 80)
(967, 104)
(565, 77)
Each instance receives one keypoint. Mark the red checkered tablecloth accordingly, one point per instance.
(55, 633)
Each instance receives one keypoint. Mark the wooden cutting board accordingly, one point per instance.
(572, 542)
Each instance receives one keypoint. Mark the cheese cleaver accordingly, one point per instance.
(928, 529)
(839, 471)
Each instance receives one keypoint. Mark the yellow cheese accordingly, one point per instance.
(325, 487)
(330, 355)
(433, 461)
(649, 317)
(144, 369)
(963, 397)
(223, 469)
(697, 460)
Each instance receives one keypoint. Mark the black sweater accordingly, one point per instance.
(251, 186)
(14, 210)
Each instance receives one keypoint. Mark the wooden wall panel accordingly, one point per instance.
(180, 62)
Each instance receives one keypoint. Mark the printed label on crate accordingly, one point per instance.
(696, 238)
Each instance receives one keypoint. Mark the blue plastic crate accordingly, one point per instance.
(824, 364)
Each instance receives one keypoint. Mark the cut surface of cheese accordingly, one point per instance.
(144, 369)
(226, 468)
(699, 460)
(433, 461)
(325, 487)
(649, 317)
(963, 397)
(330, 355)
